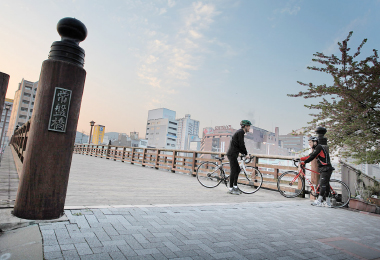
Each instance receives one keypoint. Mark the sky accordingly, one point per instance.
(220, 61)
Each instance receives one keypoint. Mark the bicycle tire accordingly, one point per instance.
(287, 188)
(250, 181)
(339, 193)
(209, 174)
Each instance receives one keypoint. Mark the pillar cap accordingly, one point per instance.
(71, 29)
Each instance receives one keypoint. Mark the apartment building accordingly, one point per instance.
(98, 134)
(257, 140)
(188, 130)
(23, 104)
(295, 143)
(161, 128)
(7, 103)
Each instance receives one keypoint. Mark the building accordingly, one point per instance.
(5, 140)
(23, 104)
(113, 136)
(81, 138)
(257, 140)
(188, 130)
(161, 128)
(297, 144)
(98, 134)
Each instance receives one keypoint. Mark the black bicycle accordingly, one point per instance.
(211, 174)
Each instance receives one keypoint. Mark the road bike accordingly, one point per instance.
(211, 174)
(291, 184)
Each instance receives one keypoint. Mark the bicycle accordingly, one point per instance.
(291, 184)
(211, 174)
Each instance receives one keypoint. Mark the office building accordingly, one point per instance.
(187, 131)
(295, 143)
(23, 104)
(98, 134)
(8, 102)
(257, 140)
(161, 128)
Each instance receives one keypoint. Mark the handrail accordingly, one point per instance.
(181, 161)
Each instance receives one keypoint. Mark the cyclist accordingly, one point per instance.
(237, 146)
(325, 170)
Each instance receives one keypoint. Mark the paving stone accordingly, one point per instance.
(70, 254)
(83, 248)
(67, 247)
(102, 256)
(52, 248)
(52, 255)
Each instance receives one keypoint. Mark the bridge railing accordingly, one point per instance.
(183, 161)
(19, 140)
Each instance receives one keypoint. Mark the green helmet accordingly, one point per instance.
(245, 122)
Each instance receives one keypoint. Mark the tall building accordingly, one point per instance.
(23, 104)
(97, 136)
(161, 128)
(188, 129)
(295, 143)
(257, 140)
(81, 138)
(5, 139)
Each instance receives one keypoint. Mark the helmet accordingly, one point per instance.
(313, 138)
(245, 122)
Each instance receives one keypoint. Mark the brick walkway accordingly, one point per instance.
(274, 230)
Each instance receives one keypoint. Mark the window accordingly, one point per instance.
(25, 102)
(27, 94)
(32, 103)
(173, 123)
(34, 96)
(24, 109)
(22, 116)
(31, 110)
(167, 144)
(27, 87)
(172, 128)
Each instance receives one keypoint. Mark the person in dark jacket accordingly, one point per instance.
(237, 146)
(325, 170)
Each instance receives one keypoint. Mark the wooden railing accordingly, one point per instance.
(182, 161)
(19, 140)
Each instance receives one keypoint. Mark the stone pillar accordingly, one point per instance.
(4, 80)
(42, 189)
(322, 140)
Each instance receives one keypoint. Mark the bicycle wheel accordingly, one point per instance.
(209, 174)
(339, 193)
(290, 185)
(250, 181)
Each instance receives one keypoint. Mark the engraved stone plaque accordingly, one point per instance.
(60, 110)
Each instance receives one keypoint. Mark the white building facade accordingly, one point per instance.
(23, 104)
(188, 131)
(161, 128)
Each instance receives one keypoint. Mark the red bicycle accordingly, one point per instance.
(291, 184)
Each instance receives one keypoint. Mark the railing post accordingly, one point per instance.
(157, 159)
(133, 155)
(143, 158)
(193, 163)
(123, 156)
(108, 152)
(173, 160)
(114, 155)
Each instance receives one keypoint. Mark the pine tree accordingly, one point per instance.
(350, 108)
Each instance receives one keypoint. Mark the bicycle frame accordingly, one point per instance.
(314, 187)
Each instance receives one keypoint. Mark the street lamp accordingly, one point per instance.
(92, 124)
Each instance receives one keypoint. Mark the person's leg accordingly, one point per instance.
(324, 183)
(325, 195)
(235, 168)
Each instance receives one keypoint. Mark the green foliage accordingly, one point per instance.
(350, 108)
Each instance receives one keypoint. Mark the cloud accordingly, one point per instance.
(169, 59)
(291, 8)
